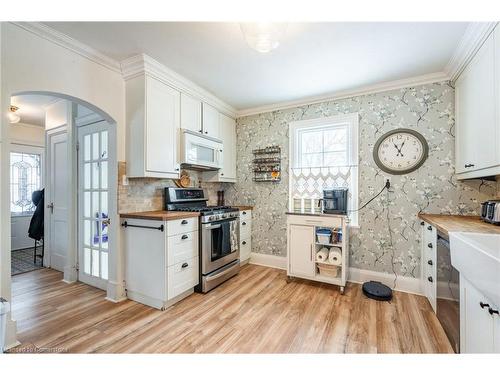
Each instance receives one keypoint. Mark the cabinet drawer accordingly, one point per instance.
(182, 247)
(245, 249)
(245, 228)
(315, 220)
(182, 277)
(175, 227)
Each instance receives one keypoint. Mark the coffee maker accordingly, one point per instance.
(334, 201)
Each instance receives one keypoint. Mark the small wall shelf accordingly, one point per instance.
(267, 164)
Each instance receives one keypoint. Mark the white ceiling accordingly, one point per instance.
(313, 58)
(32, 108)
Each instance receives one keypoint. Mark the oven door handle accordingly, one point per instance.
(217, 224)
(210, 278)
(212, 226)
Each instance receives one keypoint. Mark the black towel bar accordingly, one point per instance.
(126, 225)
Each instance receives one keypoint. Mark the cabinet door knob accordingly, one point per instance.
(244, 243)
(184, 222)
(429, 262)
(493, 311)
(184, 237)
(468, 165)
(222, 174)
(429, 227)
(429, 245)
(206, 132)
(184, 265)
(201, 131)
(422, 223)
(430, 279)
(243, 223)
(244, 212)
(483, 305)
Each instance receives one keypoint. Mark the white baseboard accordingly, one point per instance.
(448, 291)
(115, 292)
(356, 275)
(403, 283)
(267, 260)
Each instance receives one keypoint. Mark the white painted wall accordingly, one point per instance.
(19, 232)
(32, 64)
(27, 134)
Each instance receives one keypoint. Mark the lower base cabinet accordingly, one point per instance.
(161, 260)
(245, 235)
(479, 323)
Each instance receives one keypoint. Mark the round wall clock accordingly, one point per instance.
(400, 151)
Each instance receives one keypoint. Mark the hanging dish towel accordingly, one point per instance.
(335, 257)
(322, 255)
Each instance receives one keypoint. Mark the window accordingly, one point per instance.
(323, 154)
(25, 178)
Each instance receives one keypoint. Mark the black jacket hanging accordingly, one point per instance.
(35, 230)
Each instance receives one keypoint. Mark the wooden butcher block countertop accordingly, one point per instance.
(160, 215)
(244, 208)
(455, 223)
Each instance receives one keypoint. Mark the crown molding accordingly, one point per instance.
(67, 42)
(473, 38)
(365, 90)
(143, 64)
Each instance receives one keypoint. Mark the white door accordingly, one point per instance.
(300, 249)
(57, 204)
(210, 121)
(190, 113)
(95, 158)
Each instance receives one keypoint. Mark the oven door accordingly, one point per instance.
(219, 244)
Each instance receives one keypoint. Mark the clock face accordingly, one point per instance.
(400, 151)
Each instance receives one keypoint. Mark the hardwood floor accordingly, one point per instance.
(254, 312)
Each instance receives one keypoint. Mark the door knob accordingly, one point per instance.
(51, 206)
(106, 221)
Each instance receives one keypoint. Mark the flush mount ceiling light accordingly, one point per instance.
(263, 36)
(13, 116)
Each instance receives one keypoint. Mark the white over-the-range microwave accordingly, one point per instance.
(200, 152)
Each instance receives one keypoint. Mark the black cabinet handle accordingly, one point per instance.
(243, 223)
(493, 311)
(422, 223)
(429, 262)
(184, 265)
(184, 222)
(222, 174)
(429, 245)
(430, 278)
(244, 243)
(176, 169)
(429, 227)
(483, 305)
(184, 237)
(244, 212)
(201, 131)
(468, 165)
(206, 132)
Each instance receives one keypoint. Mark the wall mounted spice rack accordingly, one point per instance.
(267, 164)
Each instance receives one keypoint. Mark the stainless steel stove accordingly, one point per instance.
(218, 234)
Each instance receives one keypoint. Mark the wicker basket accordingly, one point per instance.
(328, 270)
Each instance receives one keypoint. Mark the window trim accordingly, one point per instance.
(28, 149)
(352, 120)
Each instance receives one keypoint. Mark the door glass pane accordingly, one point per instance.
(95, 233)
(104, 204)
(86, 260)
(86, 204)
(86, 148)
(95, 263)
(95, 204)
(86, 232)
(104, 175)
(104, 144)
(104, 265)
(95, 146)
(86, 176)
(95, 175)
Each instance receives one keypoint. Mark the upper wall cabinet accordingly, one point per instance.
(153, 128)
(477, 98)
(210, 121)
(227, 133)
(190, 113)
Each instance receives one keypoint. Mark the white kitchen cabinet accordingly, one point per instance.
(428, 263)
(479, 325)
(477, 105)
(245, 235)
(227, 132)
(161, 260)
(303, 246)
(210, 121)
(153, 128)
(191, 113)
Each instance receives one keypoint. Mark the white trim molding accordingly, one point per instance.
(144, 64)
(473, 38)
(72, 44)
(370, 89)
(267, 260)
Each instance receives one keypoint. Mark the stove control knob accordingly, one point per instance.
(211, 218)
(223, 216)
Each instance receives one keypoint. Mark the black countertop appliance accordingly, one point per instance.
(334, 201)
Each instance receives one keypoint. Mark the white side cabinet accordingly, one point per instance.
(477, 105)
(303, 246)
(245, 235)
(161, 260)
(428, 263)
(479, 321)
(153, 124)
(227, 133)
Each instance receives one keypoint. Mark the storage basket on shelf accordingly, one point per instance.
(323, 235)
(328, 270)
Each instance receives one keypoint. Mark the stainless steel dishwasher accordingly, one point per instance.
(448, 293)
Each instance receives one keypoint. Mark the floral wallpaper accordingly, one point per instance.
(388, 237)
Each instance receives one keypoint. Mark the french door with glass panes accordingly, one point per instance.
(95, 197)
